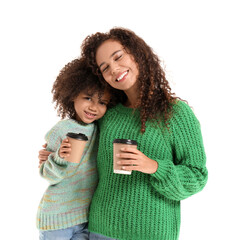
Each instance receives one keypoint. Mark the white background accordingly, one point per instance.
(199, 42)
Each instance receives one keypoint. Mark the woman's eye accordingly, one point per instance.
(118, 58)
(105, 69)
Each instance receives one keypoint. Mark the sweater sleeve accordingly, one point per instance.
(55, 169)
(186, 174)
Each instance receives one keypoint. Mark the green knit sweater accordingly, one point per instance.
(147, 206)
(66, 201)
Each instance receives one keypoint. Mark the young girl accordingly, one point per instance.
(63, 210)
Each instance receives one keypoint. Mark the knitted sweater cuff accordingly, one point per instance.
(164, 167)
(59, 160)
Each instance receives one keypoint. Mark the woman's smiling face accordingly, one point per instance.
(118, 68)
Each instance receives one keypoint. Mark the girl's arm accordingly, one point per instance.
(56, 168)
(64, 151)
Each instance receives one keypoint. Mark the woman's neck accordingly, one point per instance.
(132, 98)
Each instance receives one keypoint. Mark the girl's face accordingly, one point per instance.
(118, 68)
(90, 106)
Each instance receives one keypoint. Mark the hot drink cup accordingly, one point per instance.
(117, 145)
(78, 142)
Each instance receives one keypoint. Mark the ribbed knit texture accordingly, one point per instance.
(66, 201)
(147, 206)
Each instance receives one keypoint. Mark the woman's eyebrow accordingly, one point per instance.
(110, 56)
(114, 53)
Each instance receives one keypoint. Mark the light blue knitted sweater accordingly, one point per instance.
(66, 201)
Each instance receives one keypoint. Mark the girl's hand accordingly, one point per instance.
(139, 161)
(65, 148)
(43, 155)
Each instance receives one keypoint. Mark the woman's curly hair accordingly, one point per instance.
(155, 97)
(74, 78)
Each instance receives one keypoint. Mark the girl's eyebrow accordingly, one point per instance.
(110, 57)
(88, 94)
(104, 100)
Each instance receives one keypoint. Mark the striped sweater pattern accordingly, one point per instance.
(66, 201)
(147, 206)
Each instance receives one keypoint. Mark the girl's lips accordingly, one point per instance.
(90, 115)
(121, 77)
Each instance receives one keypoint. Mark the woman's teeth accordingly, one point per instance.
(121, 76)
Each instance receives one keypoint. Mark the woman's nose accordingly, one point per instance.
(114, 68)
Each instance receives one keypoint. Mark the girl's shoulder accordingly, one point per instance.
(73, 123)
(63, 126)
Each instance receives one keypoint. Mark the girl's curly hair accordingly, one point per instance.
(155, 97)
(74, 78)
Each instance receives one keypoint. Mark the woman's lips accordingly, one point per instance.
(122, 76)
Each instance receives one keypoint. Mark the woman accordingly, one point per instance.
(169, 164)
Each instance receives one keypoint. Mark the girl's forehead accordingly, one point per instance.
(92, 91)
(100, 93)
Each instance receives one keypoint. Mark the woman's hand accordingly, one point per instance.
(65, 148)
(43, 155)
(139, 161)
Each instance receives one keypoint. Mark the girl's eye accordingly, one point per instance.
(103, 103)
(87, 98)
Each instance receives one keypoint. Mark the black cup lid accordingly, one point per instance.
(79, 136)
(125, 141)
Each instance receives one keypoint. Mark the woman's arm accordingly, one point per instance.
(187, 174)
(43, 155)
(135, 160)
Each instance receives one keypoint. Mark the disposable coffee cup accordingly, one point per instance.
(77, 141)
(117, 145)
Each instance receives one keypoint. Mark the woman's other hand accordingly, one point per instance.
(138, 161)
(43, 155)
